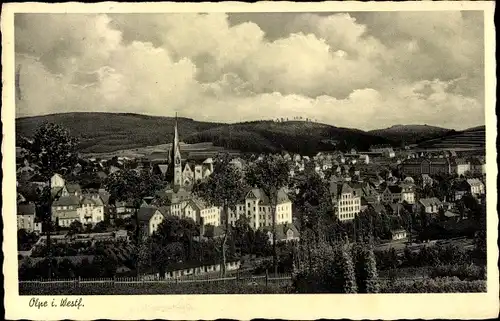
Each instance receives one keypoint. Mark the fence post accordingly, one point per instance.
(79, 280)
(267, 276)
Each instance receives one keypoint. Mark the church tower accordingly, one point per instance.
(175, 166)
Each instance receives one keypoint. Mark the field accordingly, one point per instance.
(157, 152)
(473, 139)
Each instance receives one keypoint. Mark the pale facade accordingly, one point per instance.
(57, 181)
(155, 222)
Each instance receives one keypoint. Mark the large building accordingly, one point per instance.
(430, 166)
(346, 201)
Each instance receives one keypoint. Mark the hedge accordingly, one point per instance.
(438, 285)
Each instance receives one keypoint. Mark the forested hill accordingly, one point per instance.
(302, 137)
(411, 134)
(107, 132)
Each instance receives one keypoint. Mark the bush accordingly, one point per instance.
(463, 272)
(440, 285)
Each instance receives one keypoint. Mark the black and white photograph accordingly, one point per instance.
(281, 152)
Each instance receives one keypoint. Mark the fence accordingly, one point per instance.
(154, 285)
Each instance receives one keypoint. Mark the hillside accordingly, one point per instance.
(469, 139)
(108, 132)
(410, 134)
(294, 136)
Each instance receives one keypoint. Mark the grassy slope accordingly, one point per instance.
(105, 132)
(472, 137)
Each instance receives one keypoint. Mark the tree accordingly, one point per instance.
(132, 186)
(313, 205)
(225, 188)
(270, 173)
(52, 150)
(366, 269)
(75, 227)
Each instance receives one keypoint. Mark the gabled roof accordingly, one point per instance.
(163, 168)
(26, 209)
(67, 214)
(257, 193)
(432, 201)
(282, 230)
(146, 212)
(104, 196)
(474, 182)
(70, 200)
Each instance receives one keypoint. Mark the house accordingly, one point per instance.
(91, 210)
(346, 201)
(462, 166)
(150, 219)
(364, 158)
(65, 210)
(431, 205)
(476, 187)
(57, 181)
(427, 180)
(392, 194)
(284, 233)
(399, 234)
(408, 193)
(26, 218)
(206, 214)
(461, 189)
(476, 166)
(258, 208)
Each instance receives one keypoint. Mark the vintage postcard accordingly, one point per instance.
(233, 160)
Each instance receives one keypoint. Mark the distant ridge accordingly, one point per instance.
(107, 132)
(410, 134)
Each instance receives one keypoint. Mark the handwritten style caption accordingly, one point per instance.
(56, 303)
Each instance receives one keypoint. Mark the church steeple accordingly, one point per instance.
(175, 158)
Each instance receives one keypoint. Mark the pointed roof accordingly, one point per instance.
(146, 212)
(26, 209)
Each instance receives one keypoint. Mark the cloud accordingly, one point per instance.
(363, 70)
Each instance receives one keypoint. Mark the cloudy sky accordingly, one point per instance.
(363, 70)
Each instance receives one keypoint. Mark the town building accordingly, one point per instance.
(430, 205)
(462, 166)
(476, 187)
(26, 218)
(149, 218)
(430, 166)
(399, 234)
(392, 194)
(346, 201)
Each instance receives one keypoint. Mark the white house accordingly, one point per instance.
(91, 210)
(150, 219)
(476, 187)
(57, 181)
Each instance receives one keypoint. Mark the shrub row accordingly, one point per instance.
(438, 285)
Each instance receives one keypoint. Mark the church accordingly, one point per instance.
(184, 173)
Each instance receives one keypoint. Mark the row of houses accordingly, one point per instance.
(255, 206)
